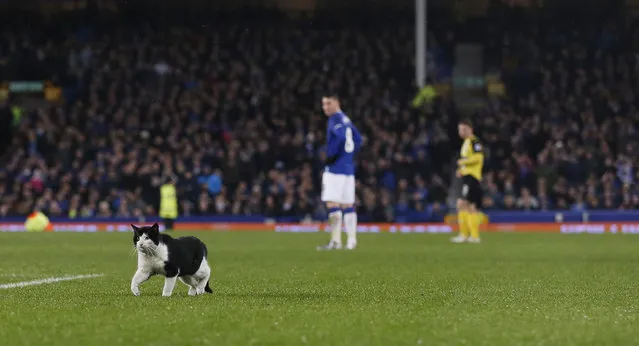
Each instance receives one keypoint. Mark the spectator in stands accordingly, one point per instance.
(231, 110)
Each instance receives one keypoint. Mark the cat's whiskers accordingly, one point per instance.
(146, 250)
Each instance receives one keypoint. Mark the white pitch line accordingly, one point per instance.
(48, 281)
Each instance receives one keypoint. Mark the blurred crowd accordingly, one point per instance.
(565, 137)
(230, 106)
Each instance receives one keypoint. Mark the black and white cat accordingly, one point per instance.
(160, 254)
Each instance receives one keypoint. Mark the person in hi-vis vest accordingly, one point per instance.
(168, 203)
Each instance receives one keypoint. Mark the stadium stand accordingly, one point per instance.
(230, 105)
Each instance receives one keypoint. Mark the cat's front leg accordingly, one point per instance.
(139, 277)
(169, 284)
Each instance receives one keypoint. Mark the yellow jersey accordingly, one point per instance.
(472, 158)
(168, 202)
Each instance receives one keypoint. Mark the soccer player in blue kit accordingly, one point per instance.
(343, 141)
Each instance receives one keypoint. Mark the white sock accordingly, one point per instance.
(335, 221)
(350, 223)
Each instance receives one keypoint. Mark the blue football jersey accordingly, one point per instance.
(343, 141)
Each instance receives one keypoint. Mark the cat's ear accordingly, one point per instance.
(136, 230)
(155, 228)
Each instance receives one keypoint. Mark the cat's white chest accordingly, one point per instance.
(154, 262)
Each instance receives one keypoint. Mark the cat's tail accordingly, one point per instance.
(207, 288)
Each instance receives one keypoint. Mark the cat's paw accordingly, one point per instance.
(199, 291)
(165, 294)
(192, 291)
(135, 290)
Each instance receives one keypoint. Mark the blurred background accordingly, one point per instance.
(104, 102)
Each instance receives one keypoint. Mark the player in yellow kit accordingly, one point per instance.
(469, 169)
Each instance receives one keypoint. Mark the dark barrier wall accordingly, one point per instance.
(493, 217)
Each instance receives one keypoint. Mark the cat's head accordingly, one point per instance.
(146, 238)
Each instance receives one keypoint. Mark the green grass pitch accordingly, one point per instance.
(275, 289)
